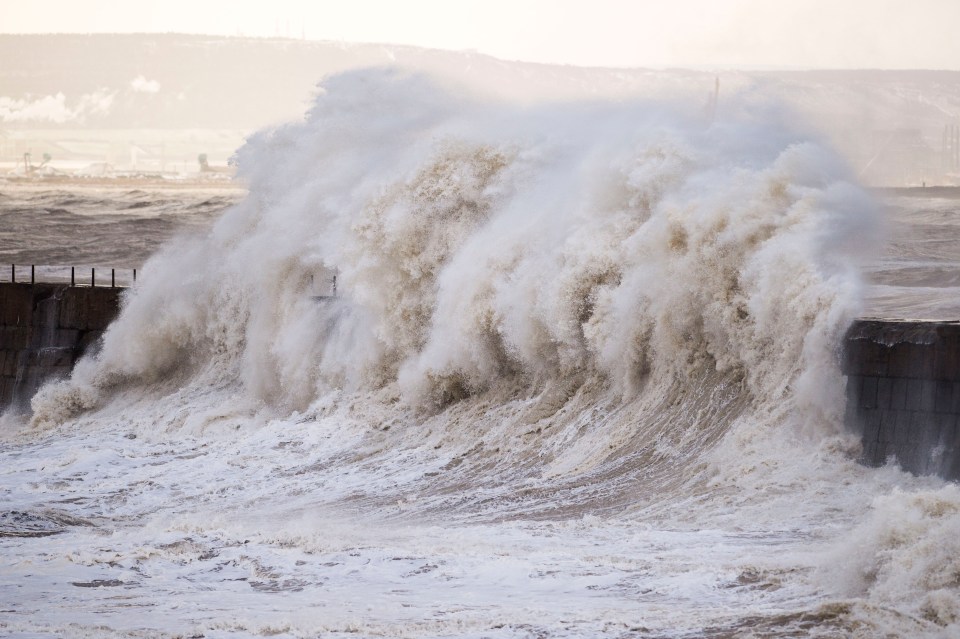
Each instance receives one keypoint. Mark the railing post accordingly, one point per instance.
(93, 276)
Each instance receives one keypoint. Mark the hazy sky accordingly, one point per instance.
(736, 33)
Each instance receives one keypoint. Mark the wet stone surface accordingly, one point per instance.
(903, 393)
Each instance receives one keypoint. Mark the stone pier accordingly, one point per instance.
(44, 329)
(903, 377)
(903, 393)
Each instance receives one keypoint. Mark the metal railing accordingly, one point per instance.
(322, 288)
(75, 276)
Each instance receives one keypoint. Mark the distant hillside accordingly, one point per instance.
(211, 82)
(189, 82)
(890, 124)
(162, 81)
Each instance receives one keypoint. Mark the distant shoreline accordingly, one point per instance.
(123, 182)
(233, 184)
(917, 191)
(952, 192)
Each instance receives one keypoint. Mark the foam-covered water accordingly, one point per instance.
(579, 379)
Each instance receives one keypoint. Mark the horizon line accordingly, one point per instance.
(711, 68)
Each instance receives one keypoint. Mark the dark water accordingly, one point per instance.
(97, 226)
(918, 274)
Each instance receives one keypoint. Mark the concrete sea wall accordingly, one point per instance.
(903, 377)
(44, 329)
(903, 393)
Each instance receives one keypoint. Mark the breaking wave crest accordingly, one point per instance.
(476, 243)
(561, 312)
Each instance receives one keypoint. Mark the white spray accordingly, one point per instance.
(575, 310)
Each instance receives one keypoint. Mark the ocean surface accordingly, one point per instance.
(579, 378)
(73, 224)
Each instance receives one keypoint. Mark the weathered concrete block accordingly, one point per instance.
(903, 431)
(946, 429)
(6, 391)
(53, 356)
(871, 425)
(89, 343)
(854, 386)
(44, 328)
(911, 360)
(72, 314)
(888, 426)
(15, 360)
(912, 459)
(865, 357)
(64, 337)
(27, 385)
(943, 397)
(868, 393)
(16, 305)
(951, 466)
(901, 455)
(914, 394)
(54, 373)
(886, 452)
(928, 391)
(870, 455)
(947, 358)
(15, 337)
(851, 416)
(922, 424)
(45, 313)
(950, 433)
(884, 392)
(898, 396)
(89, 308)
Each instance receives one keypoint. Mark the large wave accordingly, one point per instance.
(478, 244)
(543, 312)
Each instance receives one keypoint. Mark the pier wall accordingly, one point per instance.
(44, 329)
(903, 393)
(903, 377)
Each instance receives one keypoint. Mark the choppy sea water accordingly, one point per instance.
(917, 273)
(915, 276)
(579, 380)
(85, 226)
